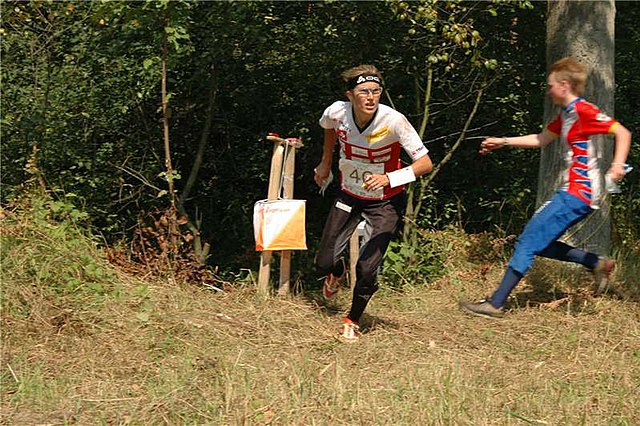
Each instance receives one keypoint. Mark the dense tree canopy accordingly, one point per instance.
(81, 83)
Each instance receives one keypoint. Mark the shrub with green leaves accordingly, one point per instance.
(46, 253)
(421, 264)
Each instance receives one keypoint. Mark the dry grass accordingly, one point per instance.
(160, 353)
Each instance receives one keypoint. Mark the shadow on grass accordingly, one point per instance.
(554, 285)
(340, 308)
(578, 302)
(369, 323)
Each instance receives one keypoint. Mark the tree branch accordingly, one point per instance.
(463, 133)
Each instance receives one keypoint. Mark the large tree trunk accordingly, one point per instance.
(584, 30)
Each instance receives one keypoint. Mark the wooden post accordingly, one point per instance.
(287, 193)
(272, 194)
(280, 179)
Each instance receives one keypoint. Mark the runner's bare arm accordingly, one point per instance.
(528, 141)
(623, 144)
(321, 172)
(422, 165)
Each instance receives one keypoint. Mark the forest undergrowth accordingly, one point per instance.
(87, 341)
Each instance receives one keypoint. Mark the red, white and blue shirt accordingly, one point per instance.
(575, 123)
(375, 149)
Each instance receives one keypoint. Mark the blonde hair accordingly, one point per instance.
(571, 70)
(352, 73)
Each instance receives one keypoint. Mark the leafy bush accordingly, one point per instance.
(421, 265)
(46, 253)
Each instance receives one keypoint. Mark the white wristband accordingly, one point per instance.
(400, 177)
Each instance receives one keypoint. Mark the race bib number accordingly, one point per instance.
(354, 174)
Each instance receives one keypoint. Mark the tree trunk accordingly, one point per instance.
(585, 30)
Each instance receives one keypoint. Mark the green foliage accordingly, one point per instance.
(437, 214)
(626, 206)
(45, 250)
(413, 266)
(90, 100)
(94, 81)
(444, 33)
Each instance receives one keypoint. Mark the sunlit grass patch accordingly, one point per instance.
(160, 352)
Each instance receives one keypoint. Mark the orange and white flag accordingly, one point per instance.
(279, 225)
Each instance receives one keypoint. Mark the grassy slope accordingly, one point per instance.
(116, 349)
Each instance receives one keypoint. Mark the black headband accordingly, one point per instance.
(362, 78)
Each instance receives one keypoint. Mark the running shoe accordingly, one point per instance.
(602, 272)
(349, 330)
(330, 287)
(482, 308)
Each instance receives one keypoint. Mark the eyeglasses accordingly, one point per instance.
(366, 92)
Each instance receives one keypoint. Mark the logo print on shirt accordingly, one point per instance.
(416, 151)
(378, 135)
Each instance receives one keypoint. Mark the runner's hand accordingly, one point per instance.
(617, 171)
(375, 182)
(321, 173)
(489, 144)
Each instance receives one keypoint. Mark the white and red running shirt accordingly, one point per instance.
(575, 123)
(374, 150)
